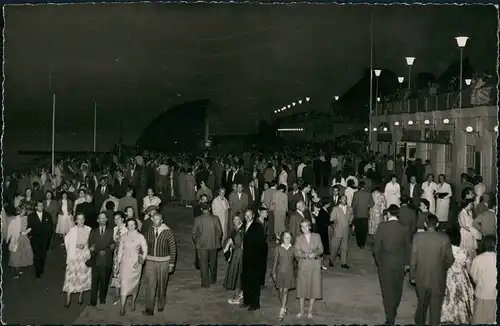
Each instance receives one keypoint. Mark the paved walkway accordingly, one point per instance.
(350, 297)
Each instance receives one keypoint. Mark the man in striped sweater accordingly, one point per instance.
(160, 262)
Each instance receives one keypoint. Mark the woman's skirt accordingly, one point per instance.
(232, 280)
(64, 223)
(129, 277)
(23, 256)
(309, 284)
(78, 276)
(279, 221)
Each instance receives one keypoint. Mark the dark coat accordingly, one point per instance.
(254, 256)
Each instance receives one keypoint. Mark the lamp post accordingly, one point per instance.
(409, 62)
(468, 81)
(377, 75)
(461, 42)
(336, 97)
(401, 80)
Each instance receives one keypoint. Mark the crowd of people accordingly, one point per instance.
(301, 206)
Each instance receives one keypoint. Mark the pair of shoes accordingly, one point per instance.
(253, 308)
(300, 315)
(310, 315)
(93, 304)
(161, 309)
(66, 305)
(323, 267)
(103, 301)
(330, 264)
(233, 301)
(244, 305)
(345, 266)
(116, 302)
(147, 312)
(122, 312)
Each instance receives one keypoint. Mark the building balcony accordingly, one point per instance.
(447, 101)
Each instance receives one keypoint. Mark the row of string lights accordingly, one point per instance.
(289, 106)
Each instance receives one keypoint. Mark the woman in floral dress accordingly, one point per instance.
(118, 231)
(376, 212)
(20, 251)
(78, 275)
(458, 301)
(28, 202)
(132, 252)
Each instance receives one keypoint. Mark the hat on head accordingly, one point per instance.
(152, 208)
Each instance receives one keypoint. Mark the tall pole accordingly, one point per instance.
(53, 158)
(409, 77)
(461, 77)
(95, 125)
(371, 82)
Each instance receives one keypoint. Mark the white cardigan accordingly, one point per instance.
(70, 241)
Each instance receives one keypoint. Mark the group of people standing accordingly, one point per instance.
(309, 207)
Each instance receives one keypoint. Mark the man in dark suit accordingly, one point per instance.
(121, 185)
(41, 227)
(101, 194)
(302, 195)
(430, 259)
(9, 189)
(408, 216)
(362, 201)
(335, 200)
(414, 192)
(254, 259)
(253, 196)
(207, 238)
(227, 178)
(308, 173)
(391, 251)
(197, 211)
(238, 201)
(238, 176)
(101, 244)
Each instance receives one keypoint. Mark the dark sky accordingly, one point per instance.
(138, 59)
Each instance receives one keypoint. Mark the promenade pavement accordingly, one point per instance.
(349, 296)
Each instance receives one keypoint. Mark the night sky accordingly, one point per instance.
(137, 60)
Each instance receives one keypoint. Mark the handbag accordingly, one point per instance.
(228, 254)
(91, 262)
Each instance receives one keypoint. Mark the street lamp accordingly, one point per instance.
(409, 62)
(300, 101)
(293, 103)
(468, 81)
(307, 99)
(401, 80)
(378, 99)
(336, 98)
(461, 42)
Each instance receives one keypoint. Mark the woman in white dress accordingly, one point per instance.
(392, 192)
(349, 192)
(150, 200)
(479, 188)
(443, 195)
(429, 188)
(468, 233)
(283, 177)
(132, 253)
(118, 232)
(78, 277)
(65, 217)
(220, 208)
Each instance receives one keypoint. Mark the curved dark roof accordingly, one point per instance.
(180, 127)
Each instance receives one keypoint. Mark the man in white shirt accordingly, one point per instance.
(300, 168)
(484, 274)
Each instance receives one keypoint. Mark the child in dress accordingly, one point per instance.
(283, 270)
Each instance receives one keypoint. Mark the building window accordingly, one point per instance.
(470, 157)
(448, 156)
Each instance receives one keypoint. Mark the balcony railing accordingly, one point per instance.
(470, 98)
